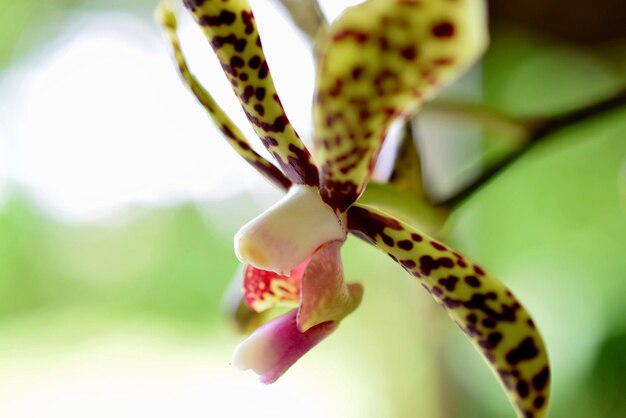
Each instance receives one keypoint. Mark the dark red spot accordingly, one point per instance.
(248, 92)
(335, 90)
(259, 109)
(479, 301)
(450, 303)
(248, 18)
(224, 18)
(541, 379)
(280, 123)
(522, 389)
(299, 165)
(193, 4)
(438, 246)
(449, 283)
(370, 224)
(539, 402)
(269, 141)
(360, 37)
(493, 339)
(263, 70)
(240, 44)
(409, 53)
(416, 237)
(489, 323)
(526, 350)
(443, 30)
(357, 72)
(405, 245)
(383, 43)
(428, 264)
(220, 41)
(236, 62)
(443, 61)
(409, 264)
(254, 62)
(472, 281)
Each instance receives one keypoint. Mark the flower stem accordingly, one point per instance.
(538, 129)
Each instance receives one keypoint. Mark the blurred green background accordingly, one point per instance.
(119, 201)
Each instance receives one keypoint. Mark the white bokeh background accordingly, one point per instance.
(96, 120)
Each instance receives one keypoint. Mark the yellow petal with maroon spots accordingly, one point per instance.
(166, 17)
(489, 314)
(230, 27)
(379, 62)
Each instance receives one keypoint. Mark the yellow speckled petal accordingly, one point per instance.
(235, 137)
(231, 29)
(493, 319)
(379, 62)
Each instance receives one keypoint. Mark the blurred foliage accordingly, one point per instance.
(28, 24)
(166, 263)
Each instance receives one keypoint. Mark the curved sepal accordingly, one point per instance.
(230, 27)
(166, 17)
(489, 314)
(379, 62)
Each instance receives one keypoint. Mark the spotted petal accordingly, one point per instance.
(166, 17)
(493, 319)
(380, 61)
(231, 29)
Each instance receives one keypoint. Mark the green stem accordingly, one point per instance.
(504, 127)
(538, 129)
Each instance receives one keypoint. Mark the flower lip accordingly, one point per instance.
(277, 345)
(288, 232)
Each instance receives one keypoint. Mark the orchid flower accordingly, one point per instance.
(377, 64)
